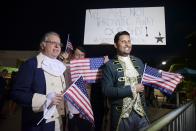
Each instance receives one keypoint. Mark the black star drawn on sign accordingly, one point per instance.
(160, 38)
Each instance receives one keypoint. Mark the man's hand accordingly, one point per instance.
(106, 59)
(139, 88)
(57, 99)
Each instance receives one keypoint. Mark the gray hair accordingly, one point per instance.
(45, 37)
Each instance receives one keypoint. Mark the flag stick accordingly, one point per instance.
(67, 41)
(143, 72)
(40, 121)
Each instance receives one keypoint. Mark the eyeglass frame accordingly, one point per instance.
(53, 42)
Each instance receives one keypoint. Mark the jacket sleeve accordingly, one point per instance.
(108, 84)
(38, 101)
(22, 89)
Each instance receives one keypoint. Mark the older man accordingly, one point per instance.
(37, 78)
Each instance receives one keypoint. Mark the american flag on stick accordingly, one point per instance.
(69, 46)
(164, 81)
(89, 68)
(77, 95)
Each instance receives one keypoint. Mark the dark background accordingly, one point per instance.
(24, 22)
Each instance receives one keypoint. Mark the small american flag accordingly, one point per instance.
(164, 81)
(77, 95)
(69, 47)
(89, 68)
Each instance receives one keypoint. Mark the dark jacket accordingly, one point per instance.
(113, 86)
(30, 80)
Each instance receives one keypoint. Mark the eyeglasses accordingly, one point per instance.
(54, 43)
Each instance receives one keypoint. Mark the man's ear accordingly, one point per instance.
(115, 45)
(42, 46)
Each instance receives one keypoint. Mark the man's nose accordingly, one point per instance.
(127, 43)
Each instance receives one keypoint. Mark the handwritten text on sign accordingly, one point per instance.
(145, 25)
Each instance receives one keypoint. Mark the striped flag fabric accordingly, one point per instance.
(89, 68)
(77, 95)
(164, 81)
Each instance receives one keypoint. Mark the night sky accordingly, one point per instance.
(24, 22)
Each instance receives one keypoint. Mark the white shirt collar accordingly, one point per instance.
(124, 58)
(52, 66)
